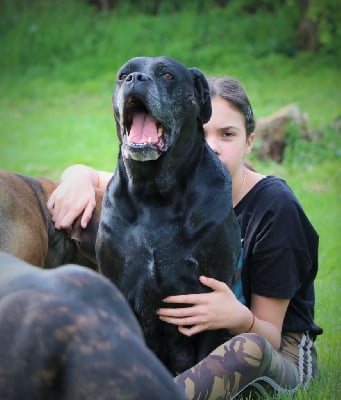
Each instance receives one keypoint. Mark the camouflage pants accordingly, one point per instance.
(247, 365)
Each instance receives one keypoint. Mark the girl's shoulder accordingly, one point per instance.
(270, 191)
(271, 201)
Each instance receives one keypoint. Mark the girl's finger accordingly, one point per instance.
(185, 298)
(189, 331)
(177, 312)
(87, 215)
(188, 321)
(212, 283)
(50, 202)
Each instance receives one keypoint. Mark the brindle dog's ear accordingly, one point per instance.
(202, 94)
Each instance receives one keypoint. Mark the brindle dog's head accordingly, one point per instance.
(155, 99)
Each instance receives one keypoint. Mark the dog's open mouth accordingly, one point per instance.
(142, 130)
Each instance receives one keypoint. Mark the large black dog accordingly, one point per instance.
(68, 334)
(167, 215)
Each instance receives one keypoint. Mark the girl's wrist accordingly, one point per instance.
(79, 171)
(94, 177)
(249, 329)
(246, 323)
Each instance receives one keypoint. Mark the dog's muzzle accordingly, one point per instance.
(143, 138)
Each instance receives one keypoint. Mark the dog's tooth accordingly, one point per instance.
(149, 140)
(160, 131)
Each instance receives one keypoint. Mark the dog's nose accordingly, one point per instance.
(137, 77)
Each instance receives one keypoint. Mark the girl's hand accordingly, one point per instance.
(218, 309)
(72, 197)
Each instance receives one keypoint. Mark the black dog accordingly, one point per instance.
(68, 334)
(167, 215)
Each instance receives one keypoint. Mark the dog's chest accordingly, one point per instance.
(153, 234)
(153, 245)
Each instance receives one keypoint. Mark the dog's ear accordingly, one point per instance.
(202, 94)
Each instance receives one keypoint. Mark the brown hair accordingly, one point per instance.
(233, 91)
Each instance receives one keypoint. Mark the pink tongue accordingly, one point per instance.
(143, 129)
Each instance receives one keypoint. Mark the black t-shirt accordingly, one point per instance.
(280, 252)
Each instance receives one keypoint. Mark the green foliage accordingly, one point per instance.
(326, 143)
(327, 14)
(44, 35)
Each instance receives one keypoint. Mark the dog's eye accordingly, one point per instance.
(122, 76)
(169, 76)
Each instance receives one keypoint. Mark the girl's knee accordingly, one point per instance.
(253, 348)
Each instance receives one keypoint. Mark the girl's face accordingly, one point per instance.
(226, 134)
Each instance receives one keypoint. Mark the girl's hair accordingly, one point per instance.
(232, 91)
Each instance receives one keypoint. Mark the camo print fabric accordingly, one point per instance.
(248, 366)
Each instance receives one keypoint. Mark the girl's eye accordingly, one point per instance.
(227, 134)
(169, 76)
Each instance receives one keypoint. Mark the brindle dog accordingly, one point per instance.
(68, 334)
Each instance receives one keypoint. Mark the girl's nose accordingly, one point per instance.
(212, 143)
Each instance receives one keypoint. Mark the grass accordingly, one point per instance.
(43, 132)
(55, 110)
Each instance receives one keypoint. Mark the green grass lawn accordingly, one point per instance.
(59, 113)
